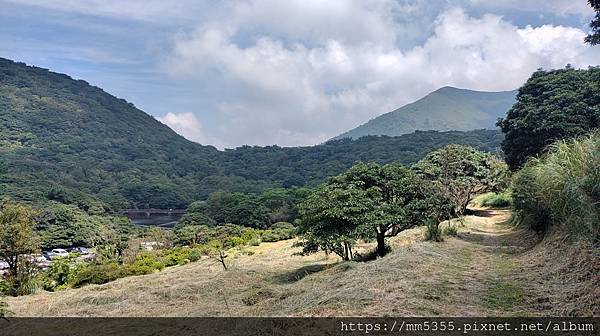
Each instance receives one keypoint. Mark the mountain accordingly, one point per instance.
(63, 139)
(445, 109)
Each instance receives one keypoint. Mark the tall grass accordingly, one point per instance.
(562, 188)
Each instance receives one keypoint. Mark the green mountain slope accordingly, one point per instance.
(65, 140)
(445, 109)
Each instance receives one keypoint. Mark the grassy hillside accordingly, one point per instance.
(488, 269)
(61, 138)
(445, 109)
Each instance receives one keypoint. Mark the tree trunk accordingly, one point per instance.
(380, 242)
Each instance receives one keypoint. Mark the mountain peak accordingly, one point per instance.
(445, 109)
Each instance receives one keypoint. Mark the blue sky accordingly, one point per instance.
(293, 72)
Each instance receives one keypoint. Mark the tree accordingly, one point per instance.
(368, 201)
(594, 37)
(17, 234)
(461, 172)
(551, 105)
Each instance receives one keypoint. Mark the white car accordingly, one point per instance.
(3, 265)
(58, 252)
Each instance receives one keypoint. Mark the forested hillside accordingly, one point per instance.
(65, 140)
(445, 109)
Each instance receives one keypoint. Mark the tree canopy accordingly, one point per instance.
(460, 172)
(594, 37)
(551, 105)
(17, 233)
(368, 201)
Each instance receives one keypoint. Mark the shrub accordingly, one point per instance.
(433, 232)
(496, 200)
(98, 274)
(177, 256)
(60, 274)
(195, 254)
(145, 263)
(269, 236)
(562, 188)
(450, 230)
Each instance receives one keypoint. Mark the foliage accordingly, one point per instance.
(594, 37)
(495, 200)
(98, 274)
(551, 105)
(62, 225)
(4, 310)
(17, 235)
(61, 273)
(433, 231)
(562, 188)
(368, 201)
(450, 230)
(460, 172)
(144, 263)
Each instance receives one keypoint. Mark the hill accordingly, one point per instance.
(66, 140)
(445, 109)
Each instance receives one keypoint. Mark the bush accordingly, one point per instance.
(270, 236)
(145, 263)
(562, 188)
(195, 254)
(433, 232)
(494, 200)
(450, 230)
(177, 256)
(98, 274)
(60, 274)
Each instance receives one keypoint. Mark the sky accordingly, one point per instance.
(291, 72)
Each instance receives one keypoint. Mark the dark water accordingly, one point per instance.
(157, 220)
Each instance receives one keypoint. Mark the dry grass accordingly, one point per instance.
(473, 274)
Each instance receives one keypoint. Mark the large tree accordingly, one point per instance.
(594, 37)
(17, 234)
(551, 105)
(461, 172)
(368, 201)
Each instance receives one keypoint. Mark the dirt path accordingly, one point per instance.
(479, 272)
(484, 276)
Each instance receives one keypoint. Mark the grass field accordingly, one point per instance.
(489, 268)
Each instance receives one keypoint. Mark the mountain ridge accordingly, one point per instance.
(63, 139)
(445, 109)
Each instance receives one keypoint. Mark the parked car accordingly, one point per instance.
(58, 252)
(79, 250)
(3, 265)
(49, 255)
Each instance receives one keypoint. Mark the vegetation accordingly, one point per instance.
(369, 201)
(594, 37)
(66, 141)
(17, 235)
(495, 200)
(562, 188)
(462, 172)
(551, 105)
(445, 109)
(62, 225)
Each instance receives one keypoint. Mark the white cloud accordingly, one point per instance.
(188, 126)
(301, 84)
